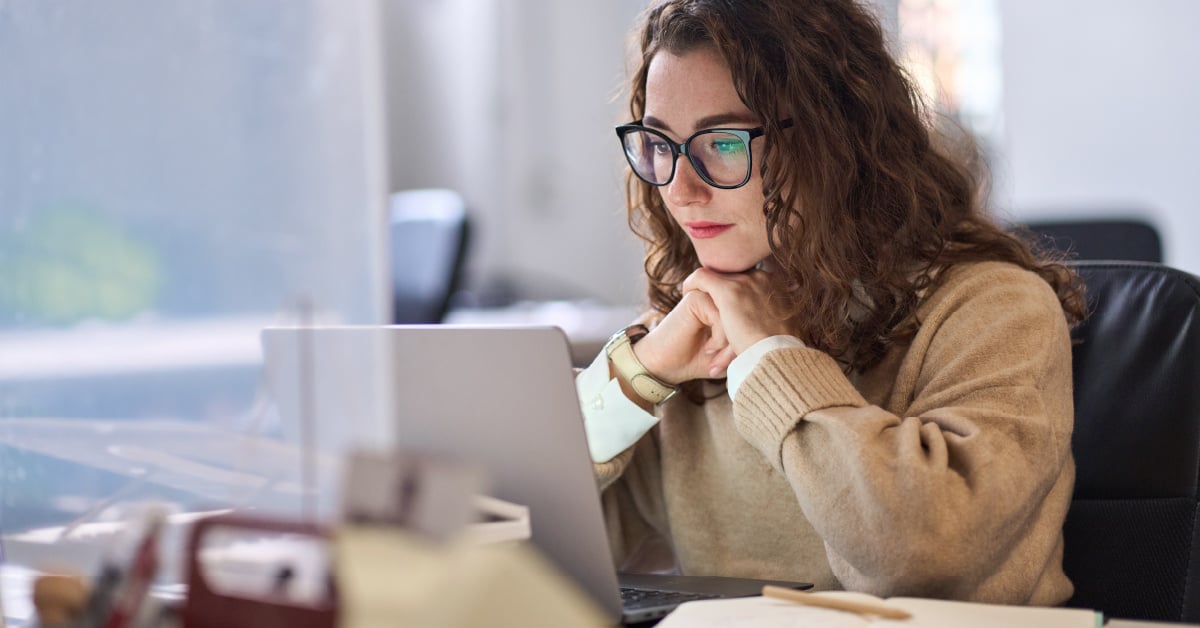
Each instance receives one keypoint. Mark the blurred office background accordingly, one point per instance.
(174, 177)
(1084, 107)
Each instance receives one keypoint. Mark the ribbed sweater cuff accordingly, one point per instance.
(611, 471)
(785, 386)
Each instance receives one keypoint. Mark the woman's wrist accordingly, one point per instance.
(628, 390)
(633, 374)
(643, 349)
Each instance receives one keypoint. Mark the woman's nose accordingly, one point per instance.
(687, 187)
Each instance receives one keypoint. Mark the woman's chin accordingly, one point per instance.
(729, 266)
(727, 270)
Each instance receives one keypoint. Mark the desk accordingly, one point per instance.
(16, 588)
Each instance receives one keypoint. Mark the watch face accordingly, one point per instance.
(612, 343)
(629, 334)
(636, 332)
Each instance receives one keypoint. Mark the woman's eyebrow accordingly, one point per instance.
(706, 122)
(651, 121)
(726, 118)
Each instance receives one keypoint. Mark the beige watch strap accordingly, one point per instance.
(620, 353)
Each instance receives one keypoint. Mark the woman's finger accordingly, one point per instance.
(720, 361)
(703, 308)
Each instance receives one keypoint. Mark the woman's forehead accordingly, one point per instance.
(682, 91)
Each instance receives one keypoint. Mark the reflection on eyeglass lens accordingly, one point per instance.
(720, 157)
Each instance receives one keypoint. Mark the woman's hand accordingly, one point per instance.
(743, 305)
(689, 343)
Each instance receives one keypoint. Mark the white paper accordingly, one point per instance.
(762, 612)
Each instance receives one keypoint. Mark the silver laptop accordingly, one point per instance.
(503, 397)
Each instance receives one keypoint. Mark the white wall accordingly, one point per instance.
(513, 104)
(1102, 114)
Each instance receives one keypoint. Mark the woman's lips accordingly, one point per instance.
(702, 230)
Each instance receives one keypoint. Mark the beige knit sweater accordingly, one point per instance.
(944, 471)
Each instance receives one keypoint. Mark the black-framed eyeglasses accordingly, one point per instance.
(720, 156)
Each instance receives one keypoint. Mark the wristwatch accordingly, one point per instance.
(620, 353)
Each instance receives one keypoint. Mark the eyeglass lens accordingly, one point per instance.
(719, 157)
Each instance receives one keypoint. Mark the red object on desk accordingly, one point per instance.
(206, 608)
(132, 592)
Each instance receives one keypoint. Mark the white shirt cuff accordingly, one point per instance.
(745, 362)
(613, 423)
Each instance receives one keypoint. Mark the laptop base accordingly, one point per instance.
(651, 596)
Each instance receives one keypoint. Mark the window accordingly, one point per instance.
(951, 49)
(175, 176)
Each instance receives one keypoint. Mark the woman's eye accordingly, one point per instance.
(660, 148)
(728, 147)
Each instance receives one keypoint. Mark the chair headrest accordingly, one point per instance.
(1137, 382)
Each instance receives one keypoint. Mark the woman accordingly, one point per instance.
(875, 379)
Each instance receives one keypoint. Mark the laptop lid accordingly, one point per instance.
(503, 398)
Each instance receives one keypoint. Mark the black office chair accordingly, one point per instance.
(1132, 539)
(429, 235)
(1131, 239)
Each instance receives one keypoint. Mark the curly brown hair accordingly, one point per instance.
(864, 202)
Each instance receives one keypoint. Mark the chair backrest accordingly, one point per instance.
(1132, 539)
(1132, 240)
(429, 233)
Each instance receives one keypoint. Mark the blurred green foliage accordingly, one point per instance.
(68, 265)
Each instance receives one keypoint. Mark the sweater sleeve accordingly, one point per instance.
(634, 510)
(625, 460)
(933, 499)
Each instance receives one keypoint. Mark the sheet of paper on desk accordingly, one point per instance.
(758, 612)
(761, 612)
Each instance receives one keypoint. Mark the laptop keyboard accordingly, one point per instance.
(647, 598)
